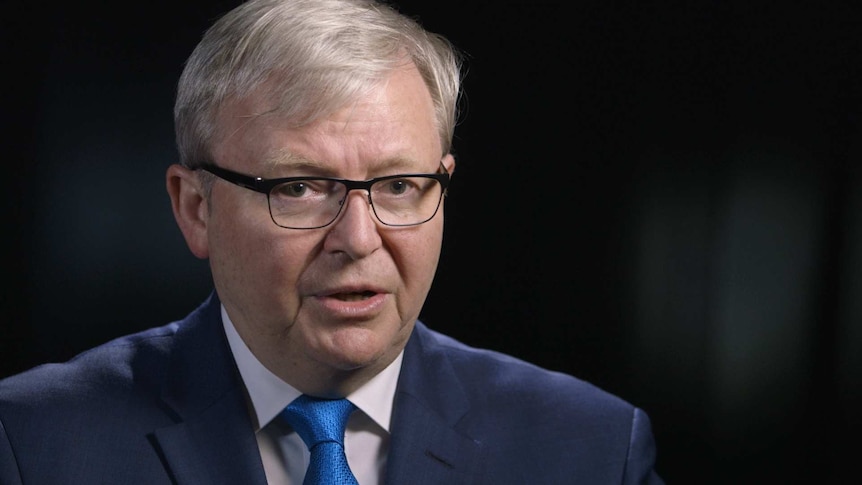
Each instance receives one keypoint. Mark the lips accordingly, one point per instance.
(351, 303)
(351, 292)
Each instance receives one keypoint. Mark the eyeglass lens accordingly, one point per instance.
(310, 203)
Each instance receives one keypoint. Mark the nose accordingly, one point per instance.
(355, 231)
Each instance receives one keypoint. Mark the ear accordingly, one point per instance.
(449, 162)
(190, 208)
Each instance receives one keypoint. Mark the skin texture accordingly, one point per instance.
(293, 294)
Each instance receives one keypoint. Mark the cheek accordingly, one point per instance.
(266, 262)
(418, 265)
(417, 257)
(232, 247)
(251, 253)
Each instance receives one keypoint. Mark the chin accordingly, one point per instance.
(356, 348)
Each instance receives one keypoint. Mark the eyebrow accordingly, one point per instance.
(287, 160)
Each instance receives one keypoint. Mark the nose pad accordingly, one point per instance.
(344, 200)
(344, 205)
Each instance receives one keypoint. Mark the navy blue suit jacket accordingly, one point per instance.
(167, 406)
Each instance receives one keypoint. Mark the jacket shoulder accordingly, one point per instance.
(531, 421)
(108, 368)
(510, 379)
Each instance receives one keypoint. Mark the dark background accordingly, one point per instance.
(663, 198)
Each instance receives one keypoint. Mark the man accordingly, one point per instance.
(315, 139)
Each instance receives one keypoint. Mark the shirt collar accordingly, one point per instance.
(269, 394)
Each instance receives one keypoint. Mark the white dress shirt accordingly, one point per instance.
(284, 455)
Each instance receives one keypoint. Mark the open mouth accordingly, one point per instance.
(355, 296)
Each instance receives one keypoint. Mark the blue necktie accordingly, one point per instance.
(320, 423)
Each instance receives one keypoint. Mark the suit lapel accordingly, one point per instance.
(213, 441)
(426, 447)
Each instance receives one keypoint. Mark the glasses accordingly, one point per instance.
(315, 202)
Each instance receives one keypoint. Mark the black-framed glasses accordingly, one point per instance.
(314, 202)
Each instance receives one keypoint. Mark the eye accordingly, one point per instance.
(292, 189)
(300, 189)
(397, 186)
(404, 186)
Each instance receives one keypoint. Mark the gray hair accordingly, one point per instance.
(311, 57)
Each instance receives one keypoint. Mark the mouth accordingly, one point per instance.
(353, 302)
(353, 296)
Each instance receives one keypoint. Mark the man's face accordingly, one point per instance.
(342, 298)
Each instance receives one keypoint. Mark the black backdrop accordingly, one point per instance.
(663, 199)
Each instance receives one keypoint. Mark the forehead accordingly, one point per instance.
(392, 123)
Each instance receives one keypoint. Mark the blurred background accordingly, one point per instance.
(663, 199)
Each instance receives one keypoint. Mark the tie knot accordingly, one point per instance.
(318, 420)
